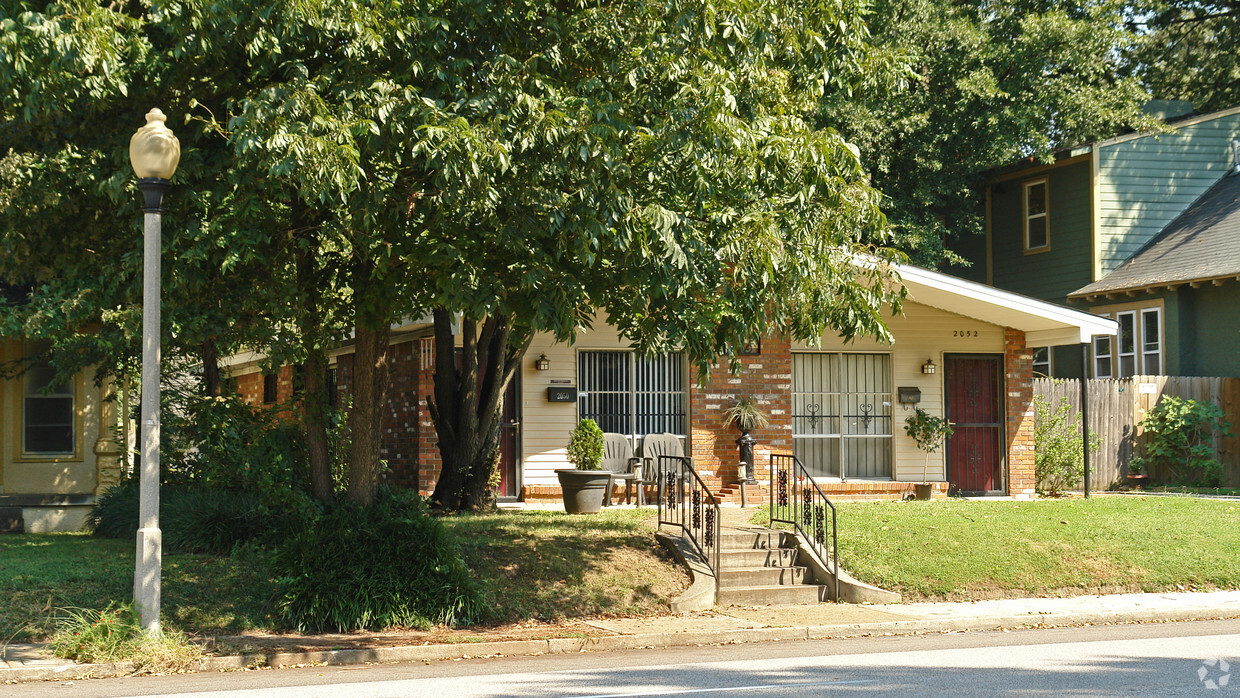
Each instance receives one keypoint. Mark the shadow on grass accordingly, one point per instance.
(549, 565)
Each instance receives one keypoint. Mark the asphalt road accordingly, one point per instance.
(1159, 659)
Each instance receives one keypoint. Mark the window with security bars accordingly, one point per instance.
(633, 395)
(841, 414)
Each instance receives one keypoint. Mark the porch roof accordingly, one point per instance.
(1044, 324)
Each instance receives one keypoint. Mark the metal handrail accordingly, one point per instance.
(789, 476)
(685, 501)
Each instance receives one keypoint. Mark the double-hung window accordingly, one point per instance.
(48, 420)
(1037, 230)
(1042, 362)
(633, 395)
(1135, 349)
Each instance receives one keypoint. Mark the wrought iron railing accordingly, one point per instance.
(798, 501)
(686, 502)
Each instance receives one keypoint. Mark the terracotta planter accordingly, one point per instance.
(923, 492)
(583, 490)
(1138, 482)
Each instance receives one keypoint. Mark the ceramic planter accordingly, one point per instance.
(583, 490)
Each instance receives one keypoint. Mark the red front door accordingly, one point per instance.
(509, 442)
(974, 451)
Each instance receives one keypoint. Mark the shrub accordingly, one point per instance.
(929, 433)
(1059, 453)
(1180, 440)
(198, 519)
(387, 565)
(114, 635)
(223, 443)
(586, 445)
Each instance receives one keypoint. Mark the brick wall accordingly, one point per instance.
(429, 460)
(1018, 387)
(767, 378)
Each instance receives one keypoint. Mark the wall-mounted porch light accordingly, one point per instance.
(928, 367)
(542, 364)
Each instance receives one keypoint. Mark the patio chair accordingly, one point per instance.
(619, 462)
(653, 446)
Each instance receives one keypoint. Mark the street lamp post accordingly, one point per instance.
(154, 153)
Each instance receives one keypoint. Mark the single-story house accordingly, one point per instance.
(960, 348)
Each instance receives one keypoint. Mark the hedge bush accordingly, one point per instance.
(197, 519)
(384, 566)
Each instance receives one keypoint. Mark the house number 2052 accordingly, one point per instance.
(964, 333)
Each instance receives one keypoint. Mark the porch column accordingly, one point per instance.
(1019, 413)
(107, 448)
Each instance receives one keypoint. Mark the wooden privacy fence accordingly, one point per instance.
(1117, 405)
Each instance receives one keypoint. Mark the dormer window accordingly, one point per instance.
(1037, 232)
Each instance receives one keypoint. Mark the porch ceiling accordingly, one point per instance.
(1044, 324)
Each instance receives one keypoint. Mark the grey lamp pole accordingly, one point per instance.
(154, 153)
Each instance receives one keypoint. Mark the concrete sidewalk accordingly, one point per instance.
(724, 625)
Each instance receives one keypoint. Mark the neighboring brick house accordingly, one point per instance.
(961, 346)
(1141, 228)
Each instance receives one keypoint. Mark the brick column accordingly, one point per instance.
(430, 463)
(1018, 402)
(397, 441)
(765, 377)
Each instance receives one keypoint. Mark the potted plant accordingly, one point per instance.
(584, 486)
(1136, 478)
(929, 433)
(747, 416)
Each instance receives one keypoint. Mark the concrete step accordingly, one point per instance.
(762, 576)
(767, 595)
(766, 557)
(751, 540)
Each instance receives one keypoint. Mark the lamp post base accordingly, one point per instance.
(146, 579)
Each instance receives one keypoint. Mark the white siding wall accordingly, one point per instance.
(922, 333)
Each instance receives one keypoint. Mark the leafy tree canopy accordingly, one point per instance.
(992, 82)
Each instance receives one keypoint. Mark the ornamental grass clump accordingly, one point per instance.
(114, 635)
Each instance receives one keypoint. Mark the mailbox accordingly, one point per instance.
(561, 394)
(909, 396)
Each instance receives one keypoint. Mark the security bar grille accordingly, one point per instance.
(633, 395)
(841, 414)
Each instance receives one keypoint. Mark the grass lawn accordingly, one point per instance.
(547, 565)
(960, 549)
(537, 565)
(201, 593)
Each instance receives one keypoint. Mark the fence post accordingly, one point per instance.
(1085, 411)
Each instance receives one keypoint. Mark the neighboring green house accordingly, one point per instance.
(1143, 228)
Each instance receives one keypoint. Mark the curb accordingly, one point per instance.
(427, 653)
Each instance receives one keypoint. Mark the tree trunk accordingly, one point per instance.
(314, 400)
(370, 378)
(314, 417)
(467, 406)
(210, 367)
